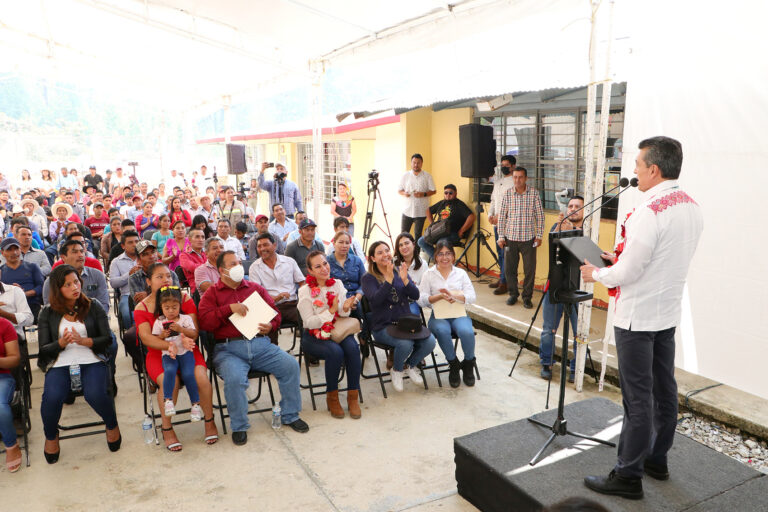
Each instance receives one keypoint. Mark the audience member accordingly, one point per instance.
(279, 276)
(281, 190)
(406, 251)
(200, 222)
(230, 242)
(281, 226)
(97, 222)
(343, 206)
(234, 355)
(157, 278)
(321, 303)
(146, 220)
(35, 215)
(111, 240)
(29, 254)
(177, 213)
(416, 185)
(262, 226)
(73, 332)
(194, 257)
(447, 282)
(163, 234)
(146, 255)
(10, 358)
(231, 209)
(299, 249)
(15, 308)
(389, 294)
(459, 217)
(175, 246)
(207, 273)
(341, 225)
(19, 273)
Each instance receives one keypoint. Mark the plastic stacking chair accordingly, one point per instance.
(22, 403)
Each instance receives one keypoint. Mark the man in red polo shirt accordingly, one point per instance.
(234, 355)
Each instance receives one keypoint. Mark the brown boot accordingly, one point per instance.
(501, 289)
(353, 405)
(332, 399)
(495, 284)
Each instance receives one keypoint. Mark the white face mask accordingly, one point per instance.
(237, 273)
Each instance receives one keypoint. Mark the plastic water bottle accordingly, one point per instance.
(277, 421)
(146, 427)
(74, 378)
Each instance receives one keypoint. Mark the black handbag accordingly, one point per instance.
(437, 230)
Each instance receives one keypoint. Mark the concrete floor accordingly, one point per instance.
(399, 456)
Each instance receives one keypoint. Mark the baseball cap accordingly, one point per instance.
(261, 216)
(143, 245)
(9, 242)
(307, 223)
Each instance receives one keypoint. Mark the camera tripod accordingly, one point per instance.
(370, 207)
(480, 238)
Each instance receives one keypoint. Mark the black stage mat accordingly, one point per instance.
(492, 470)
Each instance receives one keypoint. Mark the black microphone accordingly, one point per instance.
(623, 182)
(632, 183)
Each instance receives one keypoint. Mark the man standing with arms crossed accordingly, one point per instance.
(416, 185)
(521, 226)
(648, 273)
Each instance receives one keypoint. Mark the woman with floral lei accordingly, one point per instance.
(321, 302)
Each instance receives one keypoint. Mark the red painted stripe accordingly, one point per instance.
(369, 123)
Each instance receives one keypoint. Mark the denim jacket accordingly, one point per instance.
(351, 274)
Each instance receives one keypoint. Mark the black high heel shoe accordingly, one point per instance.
(115, 445)
(52, 458)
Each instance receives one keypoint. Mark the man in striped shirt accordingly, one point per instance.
(521, 226)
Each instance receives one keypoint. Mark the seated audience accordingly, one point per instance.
(300, 248)
(234, 355)
(175, 246)
(460, 219)
(241, 233)
(294, 235)
(111, 240)
(340, 224)
(127, 225)
(16, 272)
(28, 253)
(281, 226)
(146, 256)
(146, 220)
(73, 335)
(207, 273)
(389, 294)
(35, 215)
(177, 212)
(279, 275)
(262, 226)
(230, 242)
(97, 222)
(406, 251)
(90, 261)
(163, 234)
(194, 257)
(157, 278)
(201, 222)
(347, 268)
(10, 358)
(15, 309)
(321, 302)
(446, 282)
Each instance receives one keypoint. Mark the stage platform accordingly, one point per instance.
(492, 470)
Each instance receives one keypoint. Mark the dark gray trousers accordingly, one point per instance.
(417, 223)
(649, 395)
(512, 252)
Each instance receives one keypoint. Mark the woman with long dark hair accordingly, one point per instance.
(408, 252)
(178, 213)
(159, 277)
(176, 245)
(201, 223)
(73, 333)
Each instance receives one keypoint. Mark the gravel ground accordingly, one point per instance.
(728, 440)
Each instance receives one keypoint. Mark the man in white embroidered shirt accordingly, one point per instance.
(648, 273)
(416, 185)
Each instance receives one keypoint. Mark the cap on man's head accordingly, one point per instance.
(261, 216)
(143, 245)
(137, 196)
(8, 243)
(307, 223)
(92, 167)
(17, 209)
(100, 205)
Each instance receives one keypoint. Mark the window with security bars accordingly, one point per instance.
(551, 146)
(336, 169)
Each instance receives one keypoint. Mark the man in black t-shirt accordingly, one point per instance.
(460, 218)
(93, 180)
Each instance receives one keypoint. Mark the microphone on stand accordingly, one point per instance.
(632, 183)
(623, 182)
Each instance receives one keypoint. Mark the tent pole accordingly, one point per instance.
(317, 70)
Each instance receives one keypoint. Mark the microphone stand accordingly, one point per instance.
(624, 182)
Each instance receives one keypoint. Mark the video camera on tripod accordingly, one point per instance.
(373, 180)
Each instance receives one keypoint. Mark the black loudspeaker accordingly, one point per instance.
(236, 159)
(478, 150)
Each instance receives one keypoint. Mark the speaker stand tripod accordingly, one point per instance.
(480, 238)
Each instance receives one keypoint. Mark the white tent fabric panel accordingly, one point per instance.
(689, 85)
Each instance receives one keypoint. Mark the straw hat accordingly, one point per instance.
(27, 201)
(56, 207)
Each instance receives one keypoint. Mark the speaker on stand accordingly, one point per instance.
(478, 160)
(236, 161)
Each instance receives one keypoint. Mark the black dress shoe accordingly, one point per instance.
(527, 304)
(299, 426)
(546, 372)
(240, 438)
(511, 301)
(657, 471)
(70, 399)
(615, 485)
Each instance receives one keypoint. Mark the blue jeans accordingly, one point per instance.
(171, 366)
(7, 430)
(462, 326)
(335, 355)
(56, 389)
(125, 312)
(233, 360)
(430, 249)
(409, 352)
(552, 314)
(500, 255)
(415, 309)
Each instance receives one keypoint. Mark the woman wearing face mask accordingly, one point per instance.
(144, 315)
(389, 292)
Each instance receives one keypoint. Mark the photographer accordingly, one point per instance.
(281, 190)
(230, 208)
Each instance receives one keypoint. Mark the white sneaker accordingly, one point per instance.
(195, 413)
(170, 410)
(414, 375)
(397, 380)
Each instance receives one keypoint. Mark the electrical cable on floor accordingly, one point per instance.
(697, 391)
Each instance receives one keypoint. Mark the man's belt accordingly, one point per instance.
(227, 340)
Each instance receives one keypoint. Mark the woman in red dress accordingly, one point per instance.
(177, 213)
(145, 316)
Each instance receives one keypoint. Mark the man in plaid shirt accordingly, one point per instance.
(521, 226)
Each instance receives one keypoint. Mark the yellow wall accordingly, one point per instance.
(363, 160)
(416, 127)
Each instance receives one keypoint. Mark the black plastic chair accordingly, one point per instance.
(183, 283)
(247, 265)
(443, 367)
(21, 402)
(208, 344)
(89, 424)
